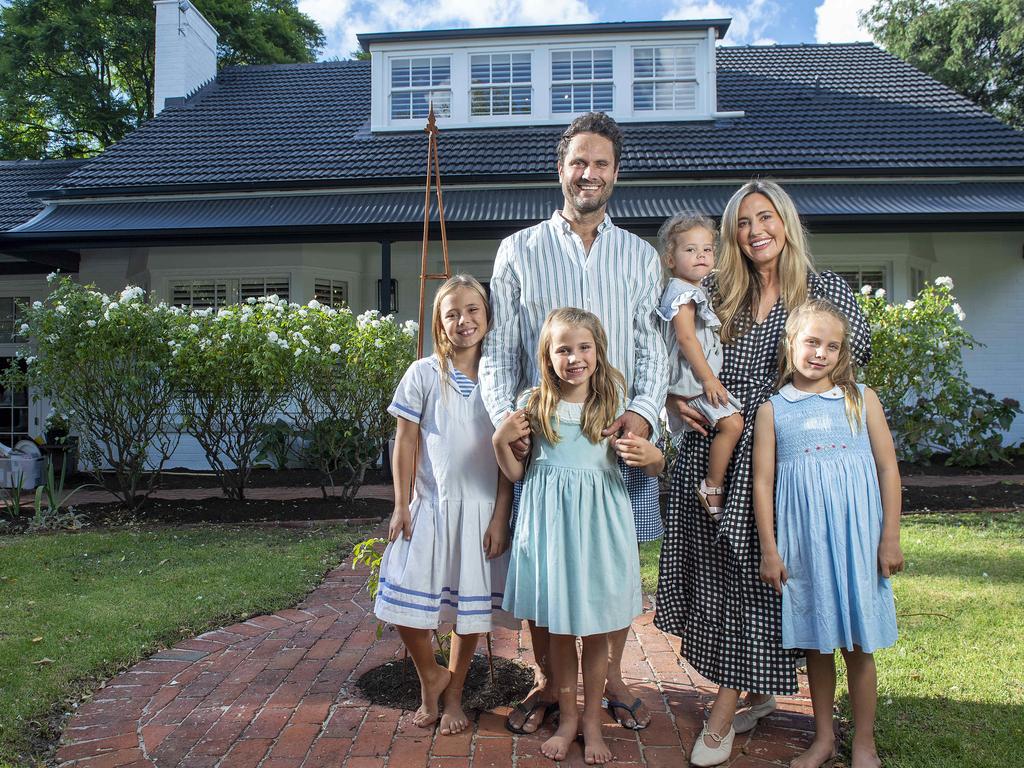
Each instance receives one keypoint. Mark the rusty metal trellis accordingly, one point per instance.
(433, 172)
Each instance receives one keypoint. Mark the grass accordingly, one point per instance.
(951, 691)
(79, 607)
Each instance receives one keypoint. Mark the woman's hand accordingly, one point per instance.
(693, 418)
(715, 393)
(890, 557)
(401, 523)
(496, 539)
(773, 570)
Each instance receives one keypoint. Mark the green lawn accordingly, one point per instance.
(92, 603)
(951, 692)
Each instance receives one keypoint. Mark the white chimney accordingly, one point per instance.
(186, 51)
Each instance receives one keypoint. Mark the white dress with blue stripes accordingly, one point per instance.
(440, 575)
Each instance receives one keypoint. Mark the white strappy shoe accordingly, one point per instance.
(717, 513)
(746, 719)
(703, 755)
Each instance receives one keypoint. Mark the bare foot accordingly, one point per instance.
(430, 693)
(595, 750)
(818, 754)
(865, 757)
(557, 747)
(454, 719)
(617, 690)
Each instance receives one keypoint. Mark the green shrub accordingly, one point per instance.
(917, 369)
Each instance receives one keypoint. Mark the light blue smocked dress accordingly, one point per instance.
(574, 565)
(828, 511)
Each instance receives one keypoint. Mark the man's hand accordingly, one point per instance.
(693, 418)
(630, 421)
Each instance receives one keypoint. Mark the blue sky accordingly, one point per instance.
(755, 22)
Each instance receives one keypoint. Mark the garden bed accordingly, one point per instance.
(233, 511)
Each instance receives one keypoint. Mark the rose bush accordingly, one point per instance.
(917, 369)
(103, 363)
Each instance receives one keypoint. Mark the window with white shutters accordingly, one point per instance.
(331, 293)
(665, 78)
(216, 292)
(876, 277)
(582, 80)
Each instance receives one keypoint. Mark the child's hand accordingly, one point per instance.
(890, 557)
(773, 571)
(514, 427)
(637, 451)
(401, 523)
(496, 539)
(715, 393)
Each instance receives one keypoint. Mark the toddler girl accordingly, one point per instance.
(823, 445)
(574, 565)
(695, 351)
(446, 560)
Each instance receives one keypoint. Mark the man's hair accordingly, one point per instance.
(592, 122)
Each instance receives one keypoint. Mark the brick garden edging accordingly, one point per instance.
(278, 691)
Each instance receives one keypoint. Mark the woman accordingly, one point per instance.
(709, 592)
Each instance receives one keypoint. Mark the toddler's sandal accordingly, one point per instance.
(716, 513)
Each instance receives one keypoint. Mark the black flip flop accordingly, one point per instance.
(550, 708)
(615, 705)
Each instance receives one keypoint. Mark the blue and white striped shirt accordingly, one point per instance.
(546, 267)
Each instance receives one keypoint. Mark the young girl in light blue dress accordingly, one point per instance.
(825, 476)
(695, 351)
(446, 560)
(574, 565)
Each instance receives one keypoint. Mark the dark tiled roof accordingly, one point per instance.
(810, 109)
(20, 176)
(474, 210)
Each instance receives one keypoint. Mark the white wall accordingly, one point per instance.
(186, 51)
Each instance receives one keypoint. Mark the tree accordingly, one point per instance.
(77, 75)
(976, 47)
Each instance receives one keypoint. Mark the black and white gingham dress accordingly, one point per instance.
(709, 592)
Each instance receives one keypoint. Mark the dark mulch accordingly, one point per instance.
(222, 510)
(957, 498)
(938, 466)
(395, 684)
(179, 478)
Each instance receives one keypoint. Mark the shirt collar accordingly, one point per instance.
(557, 221)
(794, 395)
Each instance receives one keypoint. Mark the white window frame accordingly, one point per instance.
(540, 48)
(510, 85)
(417, 89)
(572, 82)
(35, 289)
(654, 80)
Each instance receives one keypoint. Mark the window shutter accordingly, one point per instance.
(331, 293)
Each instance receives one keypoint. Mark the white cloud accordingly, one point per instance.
(342, 20)
(838, 22)
(751, 21)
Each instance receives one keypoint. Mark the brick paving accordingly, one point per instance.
(279, 691)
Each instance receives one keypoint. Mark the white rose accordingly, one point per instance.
(64, 310)
(910, 304)
(24, 329)
(880, 293)
(335, 348)
(194, 328)
(91, 323)
(272, 337)
(52, 276)
(37, 305)
(865, 290)
(314, 304)
(959, 312)
(944, 282)
(378, 343)
(113, 305)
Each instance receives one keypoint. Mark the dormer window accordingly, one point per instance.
(665, 79)
(533, 76)
(418, 81)
(582, 80)
(501, 84)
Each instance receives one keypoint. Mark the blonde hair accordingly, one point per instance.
(607, 385)
(683, 221)
(739, 289)
(844, 375)
(442, 344)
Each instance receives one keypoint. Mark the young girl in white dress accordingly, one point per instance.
(574, 565)
(446, 560)
(825, 473)
(695, 350)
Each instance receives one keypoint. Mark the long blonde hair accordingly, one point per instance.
(844, 375)
(442, 344)
(607, 385)
(739, 289)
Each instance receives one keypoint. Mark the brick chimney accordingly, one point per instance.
(186, 51)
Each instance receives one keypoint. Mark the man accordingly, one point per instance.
(579, 258)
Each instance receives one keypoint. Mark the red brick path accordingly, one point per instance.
(278, 692)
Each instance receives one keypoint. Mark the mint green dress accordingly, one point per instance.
(574, 564)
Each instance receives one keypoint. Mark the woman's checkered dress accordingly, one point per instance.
(709, 591)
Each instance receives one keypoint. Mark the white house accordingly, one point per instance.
(306, 180)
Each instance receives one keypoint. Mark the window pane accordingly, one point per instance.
(442, 103)
(643, 96)
(420, 72)
(664, 62)
(522, 98)
(9, 318)
(500, 101)
(441, 71)
(561, 98)
(602, 97)
(400, 105)
(521, 68)
(582, 65)
(561, 66)
(685, 96)
(501, 68)
(603, 64)
(480, 69)
(480, 101)
(400, 73)
(643, 63)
